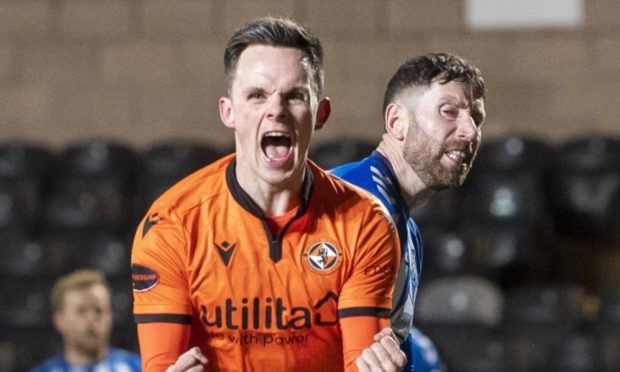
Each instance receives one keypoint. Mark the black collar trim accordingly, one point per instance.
(246, 201)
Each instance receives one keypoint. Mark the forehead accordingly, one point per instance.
(97, 293)
(453, 89)
(455, 92)
(266, 64)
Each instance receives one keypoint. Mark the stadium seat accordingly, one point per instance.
(537, 318)
(25, 256)
(554, 304)
(438, 211)
(102, 250)
(446, 252)
(506, 252)
(608, 344)
(92, 187)
(577, 352)
(337, 152)
(468, 347)
(460, 314)
(460, 299)
(24, 175)
(25, 302)
(502, 210)
(606, 329)
(583, 188)
(165, 163)
(507, 181)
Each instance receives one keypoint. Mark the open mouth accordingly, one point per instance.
(460, 157)
(457, 156)
(276, 146)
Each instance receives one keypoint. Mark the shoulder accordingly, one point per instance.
(348, 198)
(194, 189)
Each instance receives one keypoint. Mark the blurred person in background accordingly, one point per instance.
(433, 112)
(82, 314)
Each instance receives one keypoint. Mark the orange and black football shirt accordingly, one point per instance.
(205, 256)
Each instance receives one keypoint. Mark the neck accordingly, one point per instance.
(412, 189)
(273, 199)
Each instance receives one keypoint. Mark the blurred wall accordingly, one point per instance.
(146, 70)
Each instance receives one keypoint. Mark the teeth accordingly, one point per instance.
(456, 155)
(275, 135)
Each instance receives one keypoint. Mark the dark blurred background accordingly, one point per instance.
(104, 104)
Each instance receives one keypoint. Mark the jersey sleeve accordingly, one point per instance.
(365, 302)
(368, 290)
(159, 274)
(158, 353)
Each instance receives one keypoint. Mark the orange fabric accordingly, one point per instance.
(161, 344)
(253, 304)
(356, 333)
(276, 223)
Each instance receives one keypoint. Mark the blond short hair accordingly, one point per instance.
(76, 280)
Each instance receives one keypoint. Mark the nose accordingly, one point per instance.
(467, 129)
(276, 107)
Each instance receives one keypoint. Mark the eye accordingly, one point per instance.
(297, 96)
(255, 95)
(449, 111)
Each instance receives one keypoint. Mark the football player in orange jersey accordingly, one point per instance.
(262, 260)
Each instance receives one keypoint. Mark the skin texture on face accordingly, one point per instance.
(274, 112)
(85, 322)
(443, 133)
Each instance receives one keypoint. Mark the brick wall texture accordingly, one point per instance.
(142, 71)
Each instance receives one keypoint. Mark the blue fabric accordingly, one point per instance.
(375, 174)
(117, 361)
(422, 355)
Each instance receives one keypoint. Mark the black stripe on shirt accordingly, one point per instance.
(378, 312)
(162, 318)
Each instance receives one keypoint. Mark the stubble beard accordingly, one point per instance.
(423, 154)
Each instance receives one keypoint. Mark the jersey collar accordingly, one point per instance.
(248, 204)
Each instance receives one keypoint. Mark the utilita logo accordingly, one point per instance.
(270, 313)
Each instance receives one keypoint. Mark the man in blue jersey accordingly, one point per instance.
(433, 111)
(82, 314)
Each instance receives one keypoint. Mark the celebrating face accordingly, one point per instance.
(274, 111)
(444, 133)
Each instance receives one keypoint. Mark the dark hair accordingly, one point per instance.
(421, 70)
(279, 32)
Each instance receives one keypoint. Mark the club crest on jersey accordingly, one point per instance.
(323, 257)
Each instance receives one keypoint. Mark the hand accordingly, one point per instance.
(193, 360)
(384, 355)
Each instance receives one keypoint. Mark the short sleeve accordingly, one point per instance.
(159, 274)
(368, 291)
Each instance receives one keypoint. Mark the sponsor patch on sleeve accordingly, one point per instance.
(142, 278)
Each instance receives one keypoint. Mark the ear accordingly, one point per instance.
(59, 322)
(396, 121)
(227, 114)
(323, 112)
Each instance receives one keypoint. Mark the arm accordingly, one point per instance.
(159, 352)
(162, 307)
(366, 299)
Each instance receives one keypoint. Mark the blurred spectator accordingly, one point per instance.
(82, 314)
